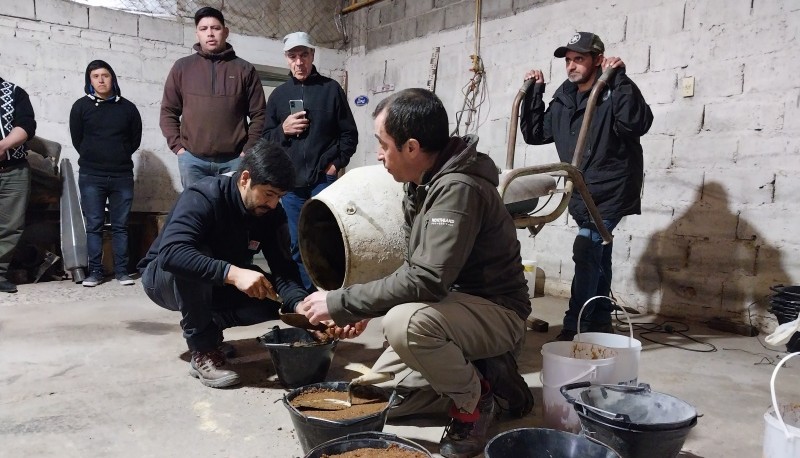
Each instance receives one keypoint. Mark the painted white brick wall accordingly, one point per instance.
(46, 50)
(719, 184)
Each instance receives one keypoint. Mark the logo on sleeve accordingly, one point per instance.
(449, 222)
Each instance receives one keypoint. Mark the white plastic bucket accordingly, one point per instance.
(569, 362)
(626, 364)
(782, 423)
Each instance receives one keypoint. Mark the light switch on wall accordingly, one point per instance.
(687, 86)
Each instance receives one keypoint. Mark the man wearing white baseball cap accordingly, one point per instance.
(310, 117)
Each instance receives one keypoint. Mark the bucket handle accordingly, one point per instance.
(573, 379)
(628, 317)
(772, 392)
(603, 413)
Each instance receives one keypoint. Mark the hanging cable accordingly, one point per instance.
(476, 87)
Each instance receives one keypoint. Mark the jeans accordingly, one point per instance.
(292, 203)
(95, 192)
(15, 185)
(592, 278)
(194, 169)
(206, 309)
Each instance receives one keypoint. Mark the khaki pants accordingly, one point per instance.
(431, 346)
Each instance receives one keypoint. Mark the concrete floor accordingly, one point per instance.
(103, 372)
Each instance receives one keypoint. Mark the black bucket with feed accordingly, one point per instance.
(366, 440)
(299, 358)
(633, 420)
(313, 431)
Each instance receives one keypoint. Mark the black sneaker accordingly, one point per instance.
(7, 287)
(463, 439)
(509, 388)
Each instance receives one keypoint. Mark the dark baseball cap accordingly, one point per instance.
(582, 42)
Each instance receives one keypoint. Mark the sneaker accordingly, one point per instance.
(465, 436)
(208, 368)
(125, 280)
(92, 280)
(7, 287)
(566, 335)
(509, 388)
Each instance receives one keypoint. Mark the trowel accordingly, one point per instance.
(369, 378)
(298, 320)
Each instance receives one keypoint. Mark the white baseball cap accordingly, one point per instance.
(296, 39)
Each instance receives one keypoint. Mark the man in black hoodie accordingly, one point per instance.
(201, 263)
(106, 130)
(320, 139)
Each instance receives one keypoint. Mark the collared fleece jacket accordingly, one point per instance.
(460, 238)
(612, 164)
(207, 100)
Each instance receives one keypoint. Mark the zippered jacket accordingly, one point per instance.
(460, 238)
(331, 137)
(612, 163)
(209, 229)
(207, 100)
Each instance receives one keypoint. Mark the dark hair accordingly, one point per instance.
(208, 11)
(269, 164)
(415, 113)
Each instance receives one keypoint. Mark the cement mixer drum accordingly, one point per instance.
(352, 232)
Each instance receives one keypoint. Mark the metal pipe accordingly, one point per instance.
(514, 123)
(356, 5)
(583, 135)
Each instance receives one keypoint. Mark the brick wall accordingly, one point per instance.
(721, 166)
(46, 45)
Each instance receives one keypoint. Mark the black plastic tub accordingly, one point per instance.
(299, 359)
(545, 443)
(312, 431)
(365, 440)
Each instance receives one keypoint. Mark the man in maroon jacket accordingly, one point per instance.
(211, 88)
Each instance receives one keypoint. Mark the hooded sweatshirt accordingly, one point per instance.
(460, 238)
(106, 132)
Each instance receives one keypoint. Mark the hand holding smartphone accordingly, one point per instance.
(295, 106)
(295, 125)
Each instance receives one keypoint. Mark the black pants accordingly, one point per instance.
(206, 309)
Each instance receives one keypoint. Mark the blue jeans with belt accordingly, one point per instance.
(592, 278)
(95, 192)
(193, 168)
(292, 203)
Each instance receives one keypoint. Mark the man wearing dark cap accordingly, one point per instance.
(310, 117)
(106, 130)
(612, 163)
(208, 98)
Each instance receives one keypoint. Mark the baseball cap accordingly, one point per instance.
(296, 39)
(582, 42)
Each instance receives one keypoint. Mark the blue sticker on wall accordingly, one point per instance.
(361, 100)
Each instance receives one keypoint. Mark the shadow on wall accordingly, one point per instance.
(153, 185)
(698, 267)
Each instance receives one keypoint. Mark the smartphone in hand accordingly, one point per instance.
(295, 106)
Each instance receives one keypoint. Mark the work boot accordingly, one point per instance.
(566, 335)
(510, 390)
(465, 436)
(209, 368)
